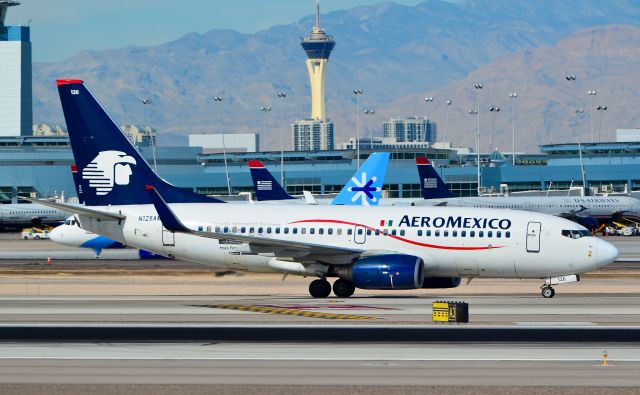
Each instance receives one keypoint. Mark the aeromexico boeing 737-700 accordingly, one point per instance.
(364, 247)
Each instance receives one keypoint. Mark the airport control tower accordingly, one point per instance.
(16, 112)
(315, 133)
(318, 46)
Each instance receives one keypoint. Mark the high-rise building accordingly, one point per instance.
(318, 46)
(16, 112)
(312, 135)
(410, 129)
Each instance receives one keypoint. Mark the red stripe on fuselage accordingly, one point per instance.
(332, 221)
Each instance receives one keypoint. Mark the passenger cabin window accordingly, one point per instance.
(339, 231)
(330, 231)
(260, 229)
(507, 234)
(312, 231)
(350, 232)
(286, 231)
(321, 231)
(402, 232)
(360, 231)
(419, 232)
(269, 230)
(277, 231)
(428, 232)
(226, 229)
(217, 229)
(243, 229)
(368, 232)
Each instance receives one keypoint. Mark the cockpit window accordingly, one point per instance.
(575, 234)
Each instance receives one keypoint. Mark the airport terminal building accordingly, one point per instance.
(40, 166)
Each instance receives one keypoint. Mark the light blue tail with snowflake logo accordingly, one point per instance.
(365, 186)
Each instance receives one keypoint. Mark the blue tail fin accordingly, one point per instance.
(430, 182)
(266, 187)
(112, 171)
(365, 186)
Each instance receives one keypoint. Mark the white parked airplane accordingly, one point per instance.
(585, 210)
(14, 216)
(365, 247)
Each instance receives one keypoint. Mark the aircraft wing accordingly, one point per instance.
(85, 211)
(171, 222)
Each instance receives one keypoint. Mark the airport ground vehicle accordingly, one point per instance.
(35, 233)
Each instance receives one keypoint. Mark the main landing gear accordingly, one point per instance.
(548, 291)
(321, 288)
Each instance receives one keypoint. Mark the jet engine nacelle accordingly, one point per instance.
(391, 271)
(441, 282)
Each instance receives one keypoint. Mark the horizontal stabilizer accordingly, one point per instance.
(80, 210)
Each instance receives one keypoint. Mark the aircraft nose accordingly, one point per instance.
(56, 235)
(605, 253)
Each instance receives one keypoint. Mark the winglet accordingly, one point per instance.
(169, 220)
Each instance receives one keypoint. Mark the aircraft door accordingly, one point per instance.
(168, 237)
(359, 234)
(533, 236)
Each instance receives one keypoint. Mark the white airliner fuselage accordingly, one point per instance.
(601, 207)
(451, 242)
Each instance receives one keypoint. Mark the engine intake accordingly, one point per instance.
(441, 282)
(391, 271)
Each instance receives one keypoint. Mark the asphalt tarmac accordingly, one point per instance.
(100, 326)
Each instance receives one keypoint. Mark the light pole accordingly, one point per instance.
(370, 112)
(591, 94)
(478, 86)
(427, 100)
(147, 102)
(265, 110)
(282, 96)
(446, 119)
(357, 92)
(513, 96)
(601, 110)
(579, 112)
(475, 114)
(494, 110)
(218, 99)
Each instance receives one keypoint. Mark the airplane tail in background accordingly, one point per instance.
(431, 184)
(365, 186)
(110, 168)
(265, 185)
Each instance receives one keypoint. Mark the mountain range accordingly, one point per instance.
(396, 54)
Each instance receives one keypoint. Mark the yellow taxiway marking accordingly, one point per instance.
(295, 312)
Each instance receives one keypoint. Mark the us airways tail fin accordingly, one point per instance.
(265, 185)
(111, 171)
(430, 182)
(365, 186)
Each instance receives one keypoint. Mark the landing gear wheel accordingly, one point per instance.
(343, 288)
(320, 288)
(548, 292)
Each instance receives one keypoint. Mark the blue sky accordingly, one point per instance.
(60, 28)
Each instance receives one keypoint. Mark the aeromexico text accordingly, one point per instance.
(456, 222)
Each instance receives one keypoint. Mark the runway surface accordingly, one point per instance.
(123, 326)
(522, 311)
